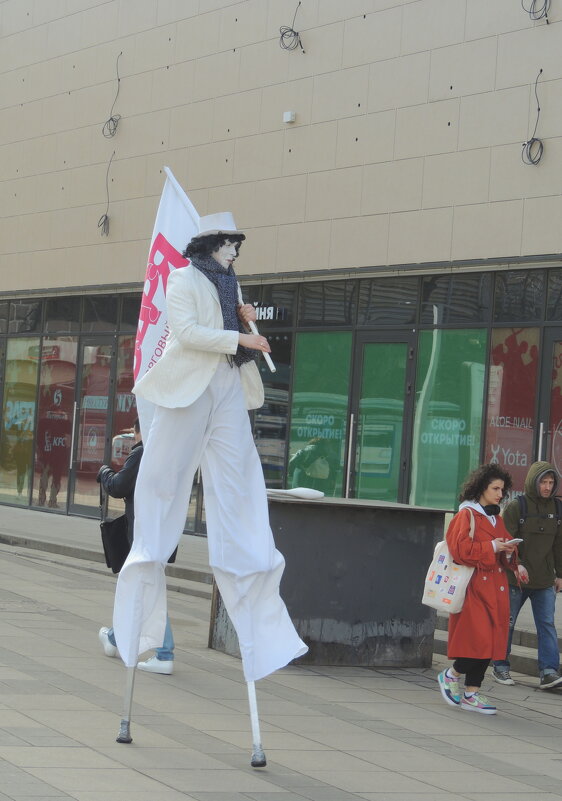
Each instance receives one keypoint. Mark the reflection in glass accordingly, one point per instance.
(92, 422)
(554, 295)
(448, 415)
(388, 301)
(270, 422)
(62, 314)
(329, 302)
(519, 296)
(462, 298)
(130, 312)
(25, 316)
(380, 423)
(54, 421)
(4, 308)
(279, 301)
(100, 313)
(510, 419)
(124, 411)
(18, 420)
(554, 438)
(319, 411)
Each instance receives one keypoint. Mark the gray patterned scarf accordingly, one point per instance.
(227, 288)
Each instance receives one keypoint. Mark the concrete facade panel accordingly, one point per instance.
(365, 140)
(359, 241)
(399, 82)
(487, 230)
(334, 194)
(457, 178)
(372, 37)
(420, 236)
(392, 186)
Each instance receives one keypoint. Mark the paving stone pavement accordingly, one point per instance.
(330, 734)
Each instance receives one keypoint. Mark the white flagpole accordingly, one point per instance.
(258, 759)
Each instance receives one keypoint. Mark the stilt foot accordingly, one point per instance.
(258, 759)
(124, 735)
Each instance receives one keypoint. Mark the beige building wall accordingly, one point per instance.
(406, 149)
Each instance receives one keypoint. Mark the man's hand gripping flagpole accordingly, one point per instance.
(254, 329)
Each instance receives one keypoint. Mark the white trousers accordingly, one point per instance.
(214, 433)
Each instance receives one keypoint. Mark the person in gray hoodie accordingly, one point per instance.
(536, 519)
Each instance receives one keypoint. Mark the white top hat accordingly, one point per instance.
(220, 223)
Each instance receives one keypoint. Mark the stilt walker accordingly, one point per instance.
(201, 389)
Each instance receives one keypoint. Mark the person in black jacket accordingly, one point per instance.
(121, 484)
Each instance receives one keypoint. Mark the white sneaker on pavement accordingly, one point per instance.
(155, 665)
(108, 648)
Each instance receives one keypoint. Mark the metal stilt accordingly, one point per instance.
(124, 735)
(258, 757)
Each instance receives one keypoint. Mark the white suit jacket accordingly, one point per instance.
(196, 344)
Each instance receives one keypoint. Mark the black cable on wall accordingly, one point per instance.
(533, 148)
(103, 221)
(538, 9)
(110, 126)
(290, 39)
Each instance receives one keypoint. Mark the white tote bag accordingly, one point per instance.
(446, 582)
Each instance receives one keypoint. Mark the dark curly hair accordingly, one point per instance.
(203, 246)
(480, 479)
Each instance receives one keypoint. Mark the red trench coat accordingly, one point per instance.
(480, 629)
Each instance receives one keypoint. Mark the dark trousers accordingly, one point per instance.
(473, 670)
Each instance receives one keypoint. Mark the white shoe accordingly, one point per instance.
(155, 665)
(108, 648)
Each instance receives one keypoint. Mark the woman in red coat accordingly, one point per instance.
(478, 633)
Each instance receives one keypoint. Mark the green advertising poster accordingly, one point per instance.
(319, 411)
(448, 414)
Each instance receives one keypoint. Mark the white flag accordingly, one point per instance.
(176, 224)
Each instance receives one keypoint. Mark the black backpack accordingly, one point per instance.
(523, 510)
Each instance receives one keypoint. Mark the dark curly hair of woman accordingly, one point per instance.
(203, 246)
(479, 480)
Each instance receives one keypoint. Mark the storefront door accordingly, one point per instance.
(92, 424)
(549, 434)
(382, 411)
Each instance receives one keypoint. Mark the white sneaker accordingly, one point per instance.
(108, 648)
(155, 665)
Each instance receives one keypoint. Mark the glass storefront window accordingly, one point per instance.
(456, 299)
(62, 315)
(380, 421)
(130, 312)
(4, 308)
(124, 411)
(448, 414)
(270, 422)
(92, 424)
(100, 313)
(519, 296)
(25, 316)
(18, 420)
(279, 303)
(55, 412)
(319, 411)
(327, 303)
(554, 295)
(510, 419)
(388, 301)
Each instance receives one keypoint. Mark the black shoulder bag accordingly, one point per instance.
(113, 537)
